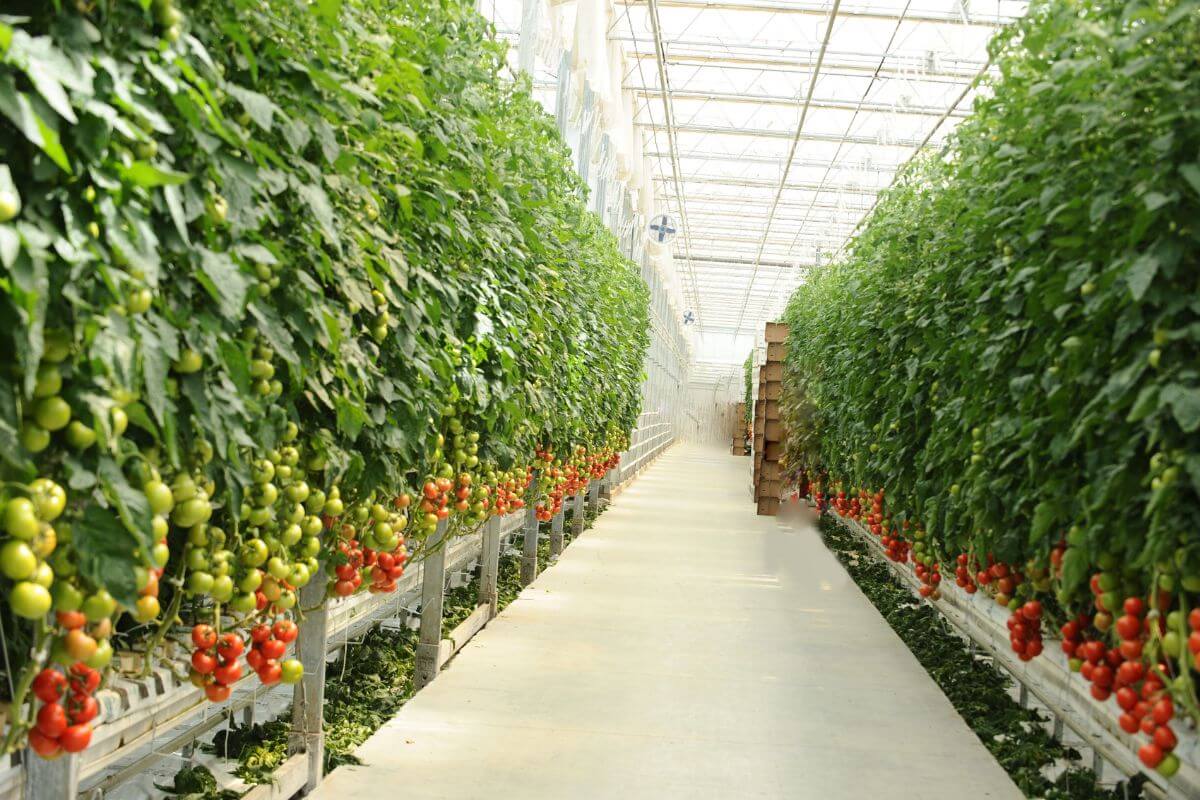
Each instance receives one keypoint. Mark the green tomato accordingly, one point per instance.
(222, 588)
(290, 670)
(298, 492)
(254, 553)
(196, 559)
(102, 656)
(200, 582)
(17, 560)
(334, 507)
(139, 301)
(10, 204)
(189, 362)
(160, 554)
(49, 381)
(310, 547)
(20, 519)
(250, 581)
(277, 568)
(192, 512)
(267, 494)
(34, 438)
(56, 345)
(160, 497)
(244, 603)
(66, 596)
(290, 535)
(30, 600)
(80, 436)
(298, 576)
(119, 420)
(287, 599)
(98, 606)
(311, 526)
(49, 499)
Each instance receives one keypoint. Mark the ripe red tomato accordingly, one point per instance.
(49, 685)
(260, 633)
(82, 708)
(1129, 627)
(273, 649)
(1150, 754)
(230, 647)
(270, 672)
(216, 692)
(76, 738)
(1128, 723)
(52, 720)
(285, 630)
(43, 745)
(203, 663)
(255, 659)
(84, 678)
(1163, 710)
(204, 636)
(1165, 738)
(228, 673)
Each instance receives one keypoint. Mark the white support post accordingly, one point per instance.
(577, 515)
(489, 571)
(556, 534)
(308, 698)
(527, 46)
(593, 496)
(529, 567)
(433, 582)
(50, 780)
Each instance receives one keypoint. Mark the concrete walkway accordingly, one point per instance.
(682, 648)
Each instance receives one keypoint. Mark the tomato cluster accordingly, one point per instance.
(266, 656)
(215, 661)
(64, 722)
(1025, 630)
(1142, 685)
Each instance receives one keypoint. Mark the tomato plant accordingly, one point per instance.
(253, 298)
(1010, 348)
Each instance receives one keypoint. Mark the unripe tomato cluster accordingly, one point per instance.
(64, 720)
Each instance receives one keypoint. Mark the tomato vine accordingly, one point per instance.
(1010, 349)
(271, 272)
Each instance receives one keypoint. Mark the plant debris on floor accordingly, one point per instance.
(1015, 735)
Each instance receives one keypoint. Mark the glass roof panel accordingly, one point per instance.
(773, 182)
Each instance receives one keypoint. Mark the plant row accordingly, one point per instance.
(285, 287)
(1002, 379)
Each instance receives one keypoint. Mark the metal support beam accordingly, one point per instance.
(794, 102)
(766, 133)
(726, 180)
(817, 9)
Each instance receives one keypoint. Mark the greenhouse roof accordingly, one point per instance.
(770, 126)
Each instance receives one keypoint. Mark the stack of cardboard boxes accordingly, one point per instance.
(738, 447)
(768, 430)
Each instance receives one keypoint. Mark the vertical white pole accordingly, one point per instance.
(433, 582)
(308, 698)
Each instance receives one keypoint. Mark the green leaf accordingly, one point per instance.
(21, 111)
(1075, 568)
(1185, 402)
(1191, 174)
(260, 107)
(143, 173)
(225, 282)
(350, 417)
(174, 200)
(131, 503)
(1044, 516)
(1141, 273)
(108, 553)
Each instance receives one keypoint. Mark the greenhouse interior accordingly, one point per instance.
(579, 399)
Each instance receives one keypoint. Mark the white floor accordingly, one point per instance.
(682, 648)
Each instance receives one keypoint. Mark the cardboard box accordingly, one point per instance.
(776, 332)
